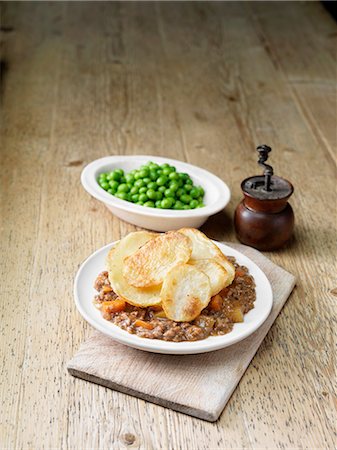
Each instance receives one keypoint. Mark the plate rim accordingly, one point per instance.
(168, 347)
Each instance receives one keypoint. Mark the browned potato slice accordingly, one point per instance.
(204, 248)
(125, 247)
(186, 291)
(216, 273)
(149, 265)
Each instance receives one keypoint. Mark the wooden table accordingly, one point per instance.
(201, 82)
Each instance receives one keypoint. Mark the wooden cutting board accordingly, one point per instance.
(198, 385)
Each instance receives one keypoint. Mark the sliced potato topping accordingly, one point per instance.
(176, 273)
(149, 265)
(115, 260)
(216, 273)
(185, 293)
(204, 248)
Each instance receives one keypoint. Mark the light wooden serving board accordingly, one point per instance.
(198, 385)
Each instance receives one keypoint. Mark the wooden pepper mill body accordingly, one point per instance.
(264, 219)
(264, 224)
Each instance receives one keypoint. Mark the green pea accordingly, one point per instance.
(142, 190)
(113, 184)
(194, 193)
(158, 204)
(140, 203)
(115, 175)
(103, 176)
(169, 193)
(164, 166)
(122, 195)
(174, 176)
(122, 180)
(201, 191)
(139, 183)
(185, 198)
(154, 165)
(181, 192)
(188, 181)
(153, 175)
(193, 204)
(161, 189)
(137, 175)
(149, 204)
(188, 188)
(111, 191)
(174, 186)
(159, 195)
(123, 188)
(151, 194)
(147, 180)
(143, 198)
(119, 171)
(201, 205)
(183, 176)
(152, 185)
(199, 199)
(159, 172)
(167, 171)
(166, 203)
(130, 179)
(161, 180)
(178, 205)
(144, 173)
(105, 185)
(135, 198)
(186, 207)
(134, 190)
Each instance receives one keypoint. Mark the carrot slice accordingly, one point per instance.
(216, 303)
(142, 323)
(107, 289)
(239, 273)
(114, 306)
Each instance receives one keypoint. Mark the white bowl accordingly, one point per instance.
(217, 194)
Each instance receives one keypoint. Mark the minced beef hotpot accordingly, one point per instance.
(223, 311)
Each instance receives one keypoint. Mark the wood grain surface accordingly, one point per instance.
(198, 385)
(201, 82)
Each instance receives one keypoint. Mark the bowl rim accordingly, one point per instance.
(90, 184)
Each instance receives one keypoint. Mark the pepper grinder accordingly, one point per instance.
(264, 219)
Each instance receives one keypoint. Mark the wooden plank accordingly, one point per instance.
(286, 30)
(25, 129)
(310, 72)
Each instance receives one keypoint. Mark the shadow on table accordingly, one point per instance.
(219, 227)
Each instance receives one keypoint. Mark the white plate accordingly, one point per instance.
(84, 294)
(217, 194)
